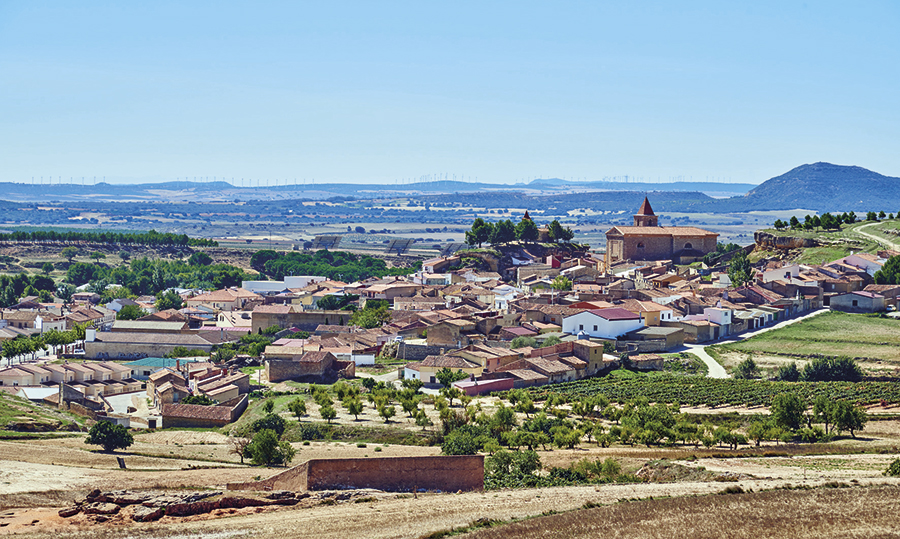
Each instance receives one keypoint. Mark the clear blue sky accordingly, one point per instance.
(501, 91)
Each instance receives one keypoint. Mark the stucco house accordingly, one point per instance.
(602, 323)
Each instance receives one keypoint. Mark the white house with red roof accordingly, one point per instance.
(602, 323)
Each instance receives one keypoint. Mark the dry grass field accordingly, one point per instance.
(789, 514)
(38, 477)
(831, 334)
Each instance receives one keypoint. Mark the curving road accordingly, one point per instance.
(716, 370)
(889, 244)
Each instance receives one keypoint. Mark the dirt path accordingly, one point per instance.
(889, 244)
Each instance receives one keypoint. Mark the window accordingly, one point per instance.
(580, 327)
(688, 246)
(855, 303)
(640, 245)
(595, 327)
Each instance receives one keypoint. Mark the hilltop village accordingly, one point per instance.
(536, 315)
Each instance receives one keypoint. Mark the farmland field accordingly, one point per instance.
(830, 334)
(699, 391)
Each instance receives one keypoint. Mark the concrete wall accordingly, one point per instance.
(397, 474)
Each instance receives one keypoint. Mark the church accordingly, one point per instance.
(647, 241)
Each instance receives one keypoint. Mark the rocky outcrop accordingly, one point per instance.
(151, 506)
(770, 242)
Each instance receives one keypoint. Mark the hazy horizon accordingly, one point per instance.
(502, 92)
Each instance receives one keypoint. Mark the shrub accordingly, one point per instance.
(268, 406)
(462, 441)
(788, 373)
(747, 370)
(110, 435)
(893, 469)
(270, 422)
(832, 369)
(202, 400)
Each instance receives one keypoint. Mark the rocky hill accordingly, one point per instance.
(823, 187)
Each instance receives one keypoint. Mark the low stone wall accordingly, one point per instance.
(398, 474)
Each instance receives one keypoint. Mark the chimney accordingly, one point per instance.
(442, 351)
(178, 365)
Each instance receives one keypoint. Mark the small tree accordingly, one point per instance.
(266, 449)
(846, 416)
(446, 376)
(327, 412)
(480, 233)
(787, 411)
(69, 253)
(297, 407)
(387, 412)
(422, 419)
(238, 445)
(109, 435)
(354, 407)
(47, 268)
(270, 422)
(740, 271)
(526, 231)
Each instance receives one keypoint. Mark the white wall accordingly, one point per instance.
(364, 359)
(606, 329)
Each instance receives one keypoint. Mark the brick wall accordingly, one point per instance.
(278, 370)
(397, 474)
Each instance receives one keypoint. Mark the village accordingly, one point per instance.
(483, 327)
(545, 319)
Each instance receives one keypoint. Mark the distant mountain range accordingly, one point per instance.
(223, 191)
(817, 187)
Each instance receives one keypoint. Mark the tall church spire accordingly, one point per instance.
(645, 215)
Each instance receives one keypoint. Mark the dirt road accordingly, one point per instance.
(878, 239)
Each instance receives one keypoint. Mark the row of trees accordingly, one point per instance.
(503, 232)
(21, 346)
(152, 238)
(828, 221)
(813, 222)
(145, 276)
(339, 265)
(822, 369)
